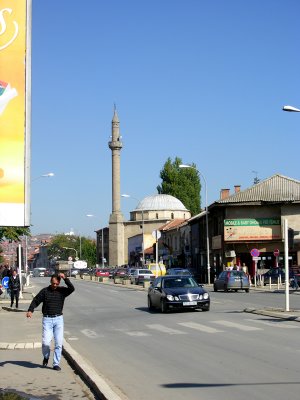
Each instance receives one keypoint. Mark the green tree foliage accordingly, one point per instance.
(76, 245)
(13, 233)
(182, 183)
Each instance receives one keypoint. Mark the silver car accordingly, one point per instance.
(141, 275)
(232, 280)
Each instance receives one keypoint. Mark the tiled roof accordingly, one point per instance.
(277, 188)
(172, 224)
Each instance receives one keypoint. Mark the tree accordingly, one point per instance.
(81, 244)
(182, 183)
(13, 233)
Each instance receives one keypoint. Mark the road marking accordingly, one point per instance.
(277, 324)
(113, 291)
(137, 333)
(199, 327)
(237, 326)
(89, 333)
(165, 329)
(72, 338)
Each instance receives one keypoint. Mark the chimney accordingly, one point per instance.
(237, 188)
(225, 194)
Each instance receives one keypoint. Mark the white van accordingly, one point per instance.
(39, 272)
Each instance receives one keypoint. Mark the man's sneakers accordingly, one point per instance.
(45, 362)
(57, 368)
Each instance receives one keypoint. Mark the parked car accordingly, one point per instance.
(101, 272)
(178, 271)
(157, 269)
(120, 272)
(173, 292)
(232, 280)
(141, 275)
(86, 272)
(274, 274)
(38, 272)
(73, 272)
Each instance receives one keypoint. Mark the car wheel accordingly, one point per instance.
(150, 306)
(163, 306)
(225, 288)
(206, 308)
(215, 288)
(247, 290)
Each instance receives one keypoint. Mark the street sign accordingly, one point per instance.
(156, 234)
(256, 258)
(5, 282)
(70, 258)
(276, 253)
(254, 253)
(80, 264)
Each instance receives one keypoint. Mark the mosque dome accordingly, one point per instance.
(161, 202)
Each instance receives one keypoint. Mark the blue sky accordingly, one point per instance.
(201, 80)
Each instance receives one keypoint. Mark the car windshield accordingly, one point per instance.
(179, 282)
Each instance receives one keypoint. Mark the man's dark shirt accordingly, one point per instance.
(52, 299)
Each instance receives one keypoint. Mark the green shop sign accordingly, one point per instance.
(252, 222)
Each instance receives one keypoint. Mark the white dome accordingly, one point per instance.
(161, 202)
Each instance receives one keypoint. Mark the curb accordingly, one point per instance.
(95, 382)
(276, 313)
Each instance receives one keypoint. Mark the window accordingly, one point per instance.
(156, 215)
(172, 215)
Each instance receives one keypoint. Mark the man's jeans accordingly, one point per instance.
(53, 327)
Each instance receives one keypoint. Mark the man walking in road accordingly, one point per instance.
(53, 298)
(14, 286)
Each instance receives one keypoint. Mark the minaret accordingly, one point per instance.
(116, 219)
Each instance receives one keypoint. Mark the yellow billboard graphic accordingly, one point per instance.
(13, 29)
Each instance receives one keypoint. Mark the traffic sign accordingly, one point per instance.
(70, 258)
(254, 253)
(5, 282)
(156, 234)
(256, 258)
(276, 252)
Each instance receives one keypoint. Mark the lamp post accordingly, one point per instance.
(76, 257)
(206, 218)
(143, 243)
(290, 109)
(102, 240)
(47, 175)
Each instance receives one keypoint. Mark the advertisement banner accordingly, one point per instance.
(14, 113)
(252, 229)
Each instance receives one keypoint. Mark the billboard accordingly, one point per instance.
(236, 230)
(15, 66)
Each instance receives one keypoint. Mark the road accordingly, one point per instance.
(221, 354)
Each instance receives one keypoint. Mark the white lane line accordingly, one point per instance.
(165, 329)
(72, 338)
(137, 333)
(199, 327)
(277, 324)
(237, 326)
(90, 334)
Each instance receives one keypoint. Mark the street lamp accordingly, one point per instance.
(206, 218)
(143, 243)
(47, 175)
(102, 239)
(76, 257)
(290, 109)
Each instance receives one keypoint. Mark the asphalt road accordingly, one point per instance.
(221, 354)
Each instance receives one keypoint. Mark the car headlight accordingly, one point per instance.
(206, 296)
(170, 297)
(176, 298)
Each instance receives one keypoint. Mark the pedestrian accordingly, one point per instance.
(53, 298)
(14, 288)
